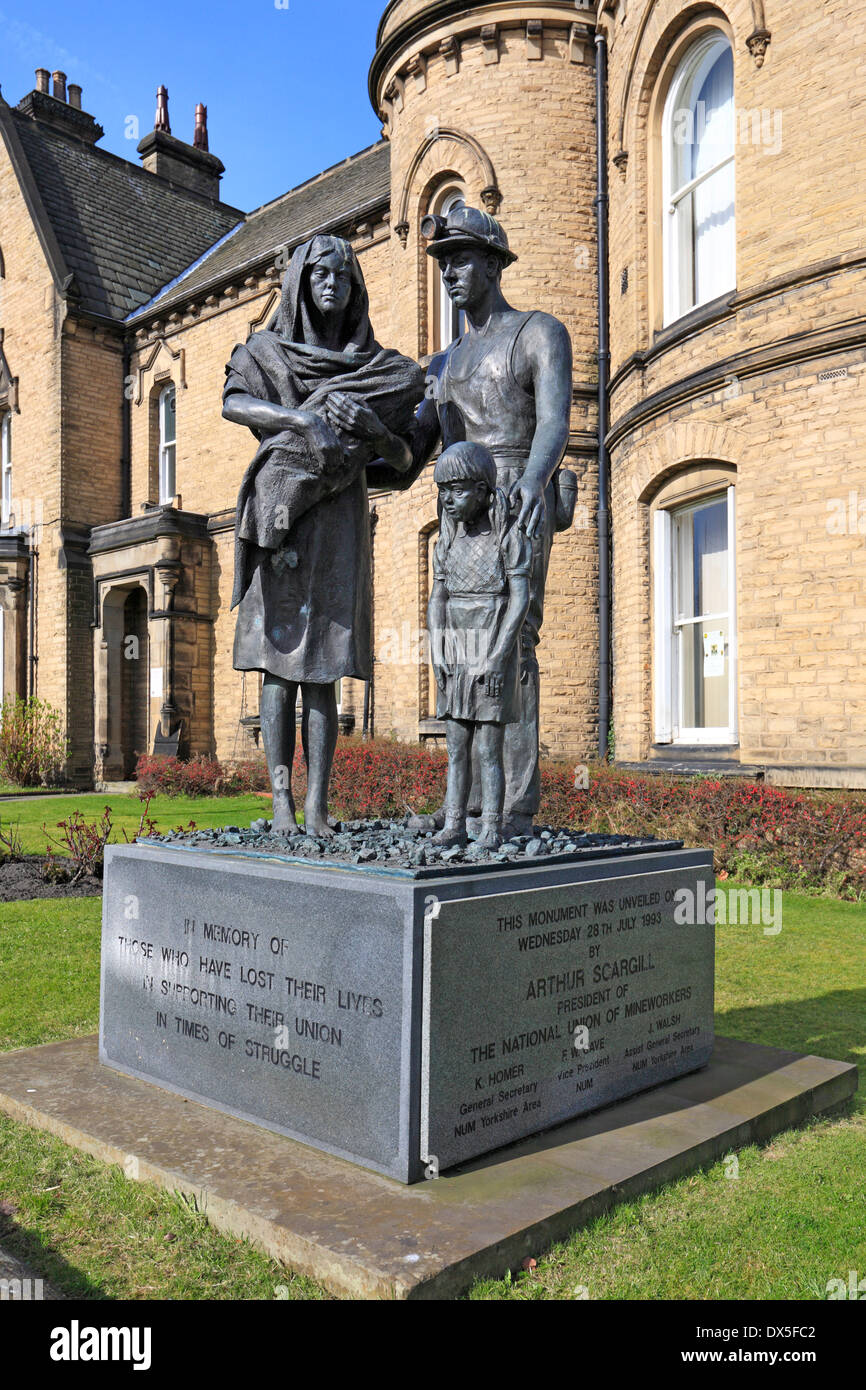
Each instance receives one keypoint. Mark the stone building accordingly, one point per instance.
(735, 430)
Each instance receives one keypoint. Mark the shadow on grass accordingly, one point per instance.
(44, 1261)
(830, 1025)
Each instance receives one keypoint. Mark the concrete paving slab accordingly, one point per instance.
(363, 1235)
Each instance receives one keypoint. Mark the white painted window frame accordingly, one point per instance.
(5, 467)
(675, 273)
(666, 684)
(663, 604)
(167, 450)
(450, 318)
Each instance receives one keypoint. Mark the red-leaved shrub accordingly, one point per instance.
(763, 834)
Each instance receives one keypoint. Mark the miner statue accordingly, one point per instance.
(506, 384)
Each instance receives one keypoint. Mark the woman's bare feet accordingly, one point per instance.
(284, 822)
(316, 822)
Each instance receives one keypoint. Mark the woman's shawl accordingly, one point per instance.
(286, 478)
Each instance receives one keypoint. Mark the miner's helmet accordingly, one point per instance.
(466, 228)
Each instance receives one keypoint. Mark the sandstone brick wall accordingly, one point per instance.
(229, 686)
(515, 109)
(31, 318)
(92, 367)
(750, 389)
(92, 493)
(767, 388)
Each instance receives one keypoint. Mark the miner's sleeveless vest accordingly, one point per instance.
(488, 405)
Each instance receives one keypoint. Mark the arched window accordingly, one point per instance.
(167, 445)
(447, 318)
(6, 465)
(698, 141)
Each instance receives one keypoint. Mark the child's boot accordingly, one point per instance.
(491, 832)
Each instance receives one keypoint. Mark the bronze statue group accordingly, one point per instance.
(333, 413)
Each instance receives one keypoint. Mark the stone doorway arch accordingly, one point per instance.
(134, 691)
(123, 681)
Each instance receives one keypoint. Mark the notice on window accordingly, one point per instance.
(714, 654)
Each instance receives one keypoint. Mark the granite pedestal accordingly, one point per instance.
(405, 1020)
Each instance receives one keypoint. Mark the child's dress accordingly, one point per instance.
(476, 571)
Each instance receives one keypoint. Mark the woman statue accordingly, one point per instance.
(325, 401)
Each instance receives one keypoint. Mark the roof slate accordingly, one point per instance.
(331, 198)
(123, 232)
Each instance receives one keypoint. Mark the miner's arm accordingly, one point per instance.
(544, 354)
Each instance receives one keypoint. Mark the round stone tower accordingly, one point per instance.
(495, 103)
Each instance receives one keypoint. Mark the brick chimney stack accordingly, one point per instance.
(191, 166)
(52, 107)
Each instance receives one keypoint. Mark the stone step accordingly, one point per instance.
(694, 767)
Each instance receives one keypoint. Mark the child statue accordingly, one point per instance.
(481, 570)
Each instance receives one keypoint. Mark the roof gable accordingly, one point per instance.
(340, 194)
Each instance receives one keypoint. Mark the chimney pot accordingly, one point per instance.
(161, 121)
(58, 80)
(42, 79)
(199, 139)
(191, 166)
(75, 95)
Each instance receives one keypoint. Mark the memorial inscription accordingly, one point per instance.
(404, 1023)
(576, 997)
(233, 991)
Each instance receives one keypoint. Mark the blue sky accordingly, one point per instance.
(285, 88)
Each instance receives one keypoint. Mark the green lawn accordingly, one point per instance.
(796, 1215)
(49, 969)
(30, 813)
(794, 1218)
(88, 1230)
